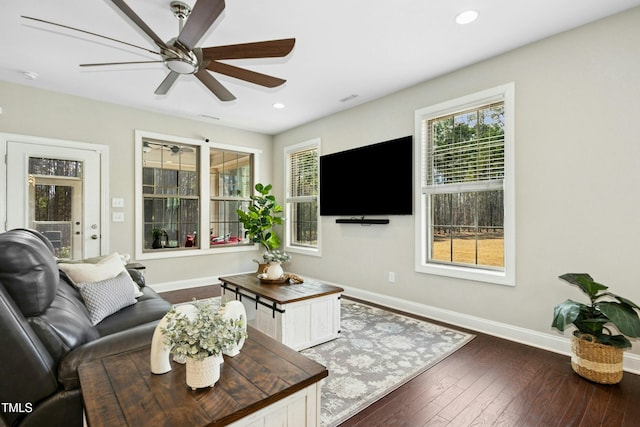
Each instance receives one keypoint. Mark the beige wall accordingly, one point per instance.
(577, 178)
(577, 174)
(40, 113)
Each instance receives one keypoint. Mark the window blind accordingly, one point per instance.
(303, 174)
(465, 148)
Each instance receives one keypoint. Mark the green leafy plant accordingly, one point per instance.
(605, 308)
(158, 233)
(277, 256)
(263, 213)
(207, 334)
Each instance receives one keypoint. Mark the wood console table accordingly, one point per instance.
(266, 384)
(298, 315)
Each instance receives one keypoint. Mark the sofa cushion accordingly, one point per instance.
(97, 269)
(108, 296)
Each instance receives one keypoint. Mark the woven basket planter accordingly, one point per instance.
(596, 362)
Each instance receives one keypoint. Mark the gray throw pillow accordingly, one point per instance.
(107, 296)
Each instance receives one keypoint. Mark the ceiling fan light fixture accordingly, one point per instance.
(466, 17)
(181, 65)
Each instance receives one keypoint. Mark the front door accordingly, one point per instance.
(56, 190)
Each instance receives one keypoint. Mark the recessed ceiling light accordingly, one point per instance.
(466, 17)
(278, 105)
(30, 75)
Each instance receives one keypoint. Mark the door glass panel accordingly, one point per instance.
(55, 203)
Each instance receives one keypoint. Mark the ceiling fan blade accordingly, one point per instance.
(90, 33)
(214, 85)
(120, 4)
(102, 64)
(201, 18)
(244, 74)
(167, 83)
(265, 49)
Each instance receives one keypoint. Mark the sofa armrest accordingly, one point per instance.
(120, 342)
(137, 276)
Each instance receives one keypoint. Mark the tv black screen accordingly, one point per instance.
(375, 179)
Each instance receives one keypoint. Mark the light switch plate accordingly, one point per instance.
(117, 216)
(117, 202)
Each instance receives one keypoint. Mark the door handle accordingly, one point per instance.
(94, 236)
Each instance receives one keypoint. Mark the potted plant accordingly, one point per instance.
(158, 234)
(260, 218)
(201, 338)
(597, 349)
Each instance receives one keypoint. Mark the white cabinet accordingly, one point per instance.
(298, 323)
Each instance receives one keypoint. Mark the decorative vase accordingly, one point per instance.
(596, 362)
(156, 244)
(203, 373)
(235, 310)
(273, 271)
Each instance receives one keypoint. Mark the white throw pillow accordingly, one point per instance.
(107, 268)
(105, 297)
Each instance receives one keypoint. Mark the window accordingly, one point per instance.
(231, 184)
(171, 195)
(466, 215)
(302, 197)
(187, 195)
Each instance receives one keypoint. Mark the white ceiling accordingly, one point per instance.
(368, 48)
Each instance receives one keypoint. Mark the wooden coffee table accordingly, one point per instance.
(266, 383)
(298, 315)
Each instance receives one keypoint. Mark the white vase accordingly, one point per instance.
(235, 350)
(273, 271)
(234, 310)
(203, 373)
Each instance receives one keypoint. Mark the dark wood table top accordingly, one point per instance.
(281, 294)
(120, 390)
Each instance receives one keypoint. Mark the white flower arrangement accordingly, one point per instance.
(277, 256)
(208, 334)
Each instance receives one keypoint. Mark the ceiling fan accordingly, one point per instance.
(181, 56)
(174, 149)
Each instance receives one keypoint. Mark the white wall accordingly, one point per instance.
(41, 113)
(577, 175)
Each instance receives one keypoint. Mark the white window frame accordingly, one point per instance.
(140, 135)
(314, 251)
(506, 276)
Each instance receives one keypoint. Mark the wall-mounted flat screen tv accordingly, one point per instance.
(375, 179)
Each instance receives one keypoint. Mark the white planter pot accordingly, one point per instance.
(203, 373)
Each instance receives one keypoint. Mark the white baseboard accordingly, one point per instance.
(190, 283)
(554, 343)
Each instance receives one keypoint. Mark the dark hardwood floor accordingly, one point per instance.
(494, 382)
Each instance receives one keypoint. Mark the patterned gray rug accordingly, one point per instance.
(377, 352)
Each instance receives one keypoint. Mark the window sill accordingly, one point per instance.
(303, 250)
(162, 254)
(468, 273)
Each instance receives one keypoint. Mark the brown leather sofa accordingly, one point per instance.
(46, 333)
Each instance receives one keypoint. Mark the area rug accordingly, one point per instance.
(377, 352)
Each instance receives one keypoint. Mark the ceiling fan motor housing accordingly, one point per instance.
(179, 59)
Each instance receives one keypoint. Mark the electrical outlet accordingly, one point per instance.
(117, 202)
(392, 277)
